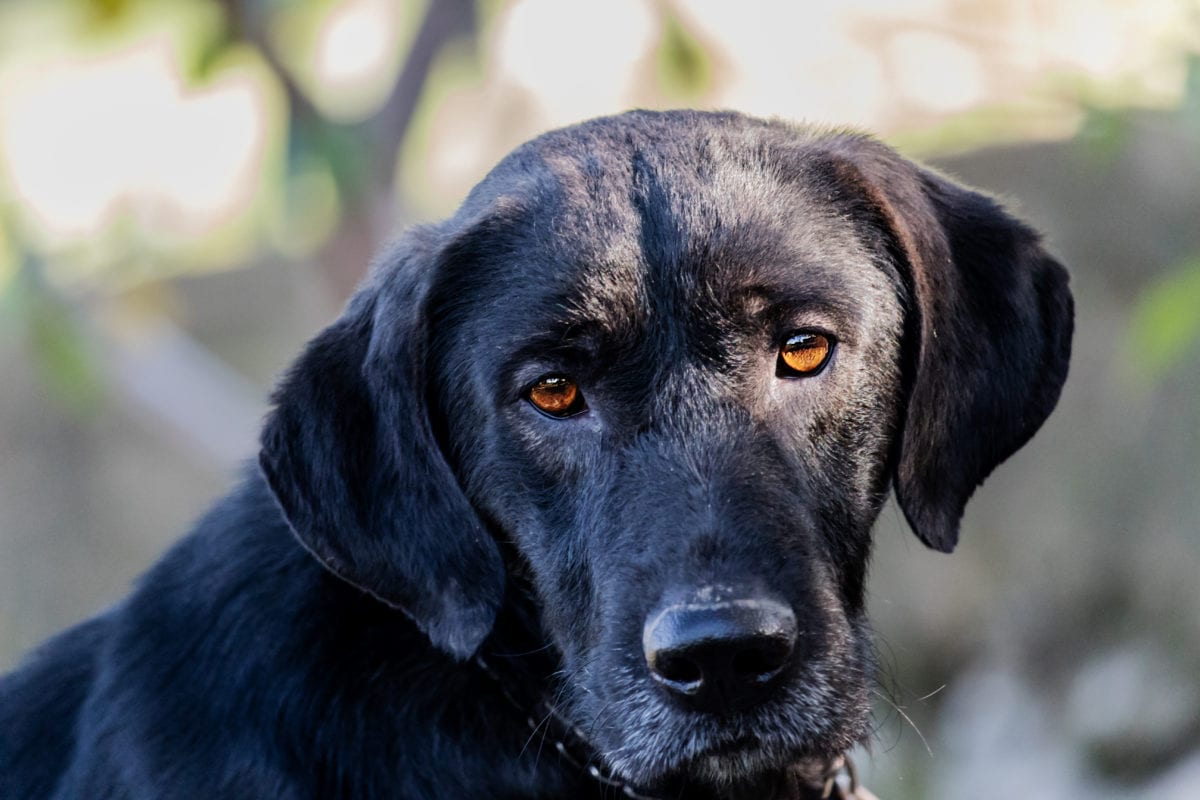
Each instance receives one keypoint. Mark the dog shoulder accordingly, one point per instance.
(171, 657)
(39, 707)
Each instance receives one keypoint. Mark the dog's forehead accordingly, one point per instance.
(612, 233)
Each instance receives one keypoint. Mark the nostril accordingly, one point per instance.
(761, 660)
(679, 670)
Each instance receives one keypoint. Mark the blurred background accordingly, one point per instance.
(191, 188)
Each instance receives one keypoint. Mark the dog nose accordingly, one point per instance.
(719, 656)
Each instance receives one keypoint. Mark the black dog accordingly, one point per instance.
(621, 428)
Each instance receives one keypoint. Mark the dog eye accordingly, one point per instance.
(557, 396)
(804, 353)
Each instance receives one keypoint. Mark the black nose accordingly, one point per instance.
(719, 656)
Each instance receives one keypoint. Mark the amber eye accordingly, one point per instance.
(557, 396)
(804, 353)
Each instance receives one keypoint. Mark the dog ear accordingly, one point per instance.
(988, 334)
(352, 460)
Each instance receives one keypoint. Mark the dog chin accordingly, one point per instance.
(744, 767)
(739, 763)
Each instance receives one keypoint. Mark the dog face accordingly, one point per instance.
(669, 365)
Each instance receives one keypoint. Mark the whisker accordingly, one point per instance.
(931, 694)
(535, 651)
(532, 734)
(907, 719)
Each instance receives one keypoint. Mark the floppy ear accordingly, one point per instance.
(988, 335)
(352, 460)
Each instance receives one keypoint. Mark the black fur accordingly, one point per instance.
(312, 637)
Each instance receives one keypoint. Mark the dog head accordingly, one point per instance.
(674, 362)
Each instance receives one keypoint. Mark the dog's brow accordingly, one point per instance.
(773, 304)
(571, 337)
(601, 314)
(561, 340)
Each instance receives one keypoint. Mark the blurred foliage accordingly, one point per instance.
(53, 335)
(8, 259)
(321, 159)
(684, 65)
(293, 33)
(1104, 134)
(1165, 325)
(455, 69)
(330, 155)
(1165, 322)
(184, 57)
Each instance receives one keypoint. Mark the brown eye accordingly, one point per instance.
(557, 396)
(804, 354)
